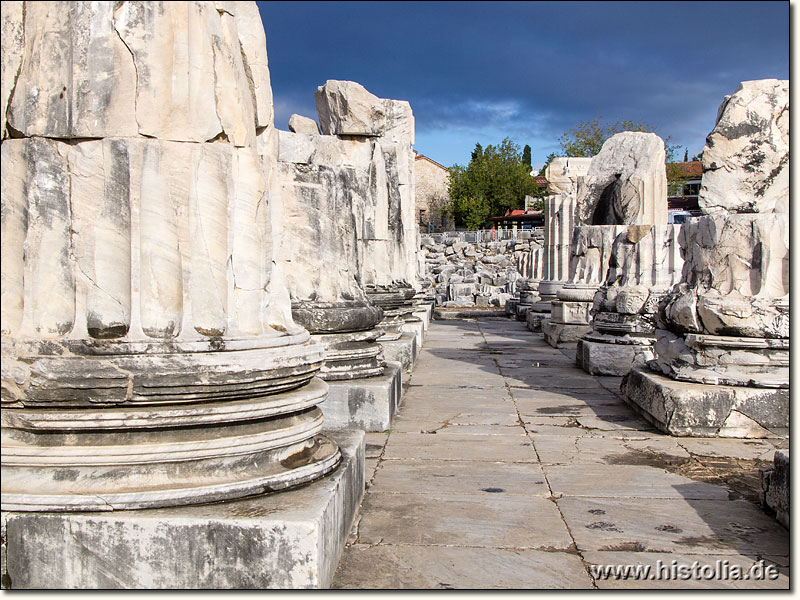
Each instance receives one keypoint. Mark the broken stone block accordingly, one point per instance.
(738, 267)
(347, 108)
(301, 124)
(775, 487)
(691, 409)
(626, 183)
(746, 158)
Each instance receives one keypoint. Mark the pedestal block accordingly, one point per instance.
(698, 410)
(369, 404)
(396, 303)
(289, 540)
(402, 350)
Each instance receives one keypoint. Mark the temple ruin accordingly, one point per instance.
(204, 315)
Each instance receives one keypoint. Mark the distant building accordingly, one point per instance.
(431, 184)
(519, 219)
(691, 174)
(527, 218)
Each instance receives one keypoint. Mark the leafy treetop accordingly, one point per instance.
(496, 179)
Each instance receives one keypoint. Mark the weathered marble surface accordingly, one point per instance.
(697, 410)
(776, 488)
(644, 265)
(301, 124)
(726, 323)
(387, 234)
(563, 174)
(347, 108)
(746, 157)
(13, 46)
(141, 303)
(735, 279)
(626, 183)
(173, 71)
(289, 540)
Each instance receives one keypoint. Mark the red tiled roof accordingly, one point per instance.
(689, 170)
(541, 181)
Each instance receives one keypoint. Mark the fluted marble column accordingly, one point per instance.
(149, 357)
(563, 175)
(321, 177)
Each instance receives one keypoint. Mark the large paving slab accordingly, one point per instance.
(426, 567)
(460, 477)
(507, 466)
(492, 520)
(514, 447)
(679, 525)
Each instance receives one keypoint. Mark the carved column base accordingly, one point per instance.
(351, 355)
(109, 425)
(723, 360)
(136, 457)
(347, 332)
(396, 302)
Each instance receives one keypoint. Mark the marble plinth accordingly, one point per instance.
(403, 350)
(416, 327)
(560, 335)
(534, 320)
(727, 360)
(600, 354)
(292, 539)
(368, 404)
(693, 409)
(425, 314)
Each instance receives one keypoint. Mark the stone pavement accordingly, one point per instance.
(509, 467)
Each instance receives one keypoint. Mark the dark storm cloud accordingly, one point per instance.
(529, 70)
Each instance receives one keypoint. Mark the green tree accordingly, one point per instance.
(526, 156)
(587, 138)
(546, 164)
(686, 155)
(495, 180)
(477, 153)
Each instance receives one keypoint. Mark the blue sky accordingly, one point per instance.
(483, 71)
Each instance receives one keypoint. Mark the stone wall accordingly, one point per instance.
(465, 274)
(432, 182)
